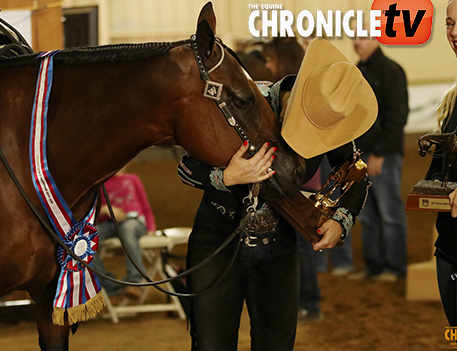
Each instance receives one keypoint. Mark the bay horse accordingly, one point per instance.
(107, 104)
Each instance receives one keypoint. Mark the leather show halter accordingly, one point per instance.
(213, 91)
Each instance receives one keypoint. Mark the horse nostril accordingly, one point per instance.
(299, 174)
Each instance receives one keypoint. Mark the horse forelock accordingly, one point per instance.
(98, 54)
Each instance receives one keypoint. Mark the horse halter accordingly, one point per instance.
(213, 90)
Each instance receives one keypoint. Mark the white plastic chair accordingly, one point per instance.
(152, 247)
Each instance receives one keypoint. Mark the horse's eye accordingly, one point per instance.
(244, 103)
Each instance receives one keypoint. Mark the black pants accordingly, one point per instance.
(270, 289)
(448, 288)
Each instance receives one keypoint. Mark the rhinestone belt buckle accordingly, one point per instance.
(262, 221)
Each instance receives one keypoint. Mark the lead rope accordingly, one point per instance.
(50, 230)
(238, 232)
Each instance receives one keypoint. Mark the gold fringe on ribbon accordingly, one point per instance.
(81, 312)
(58, 316)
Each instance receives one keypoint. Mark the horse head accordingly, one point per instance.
(447, 140)
(233, 110)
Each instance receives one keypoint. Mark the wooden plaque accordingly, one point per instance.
(429, 195)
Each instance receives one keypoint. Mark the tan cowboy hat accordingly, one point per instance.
(330, 105)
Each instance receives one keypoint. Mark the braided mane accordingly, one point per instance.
(98, 54)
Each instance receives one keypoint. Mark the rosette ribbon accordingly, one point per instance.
(78, 290)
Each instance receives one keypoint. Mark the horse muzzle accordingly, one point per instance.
(284, 183)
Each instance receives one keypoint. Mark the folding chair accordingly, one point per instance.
(152, 248)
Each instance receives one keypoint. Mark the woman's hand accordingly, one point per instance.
(374, 165)
(331, 233)
(253, 170)
(453, 203)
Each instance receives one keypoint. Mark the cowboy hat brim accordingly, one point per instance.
(300, 133)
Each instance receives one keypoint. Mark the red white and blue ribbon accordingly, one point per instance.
(78, 290)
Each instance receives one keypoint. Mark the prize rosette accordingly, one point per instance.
(83, 240)
(78, 289)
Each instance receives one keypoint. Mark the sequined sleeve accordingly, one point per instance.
(272, 92)
(216, 177)
(345, 219)
(200, 175)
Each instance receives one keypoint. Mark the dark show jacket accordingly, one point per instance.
(388, 81)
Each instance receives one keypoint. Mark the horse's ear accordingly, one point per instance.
(207, 13)
(205, 38)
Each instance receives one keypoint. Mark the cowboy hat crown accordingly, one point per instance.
(330, 104)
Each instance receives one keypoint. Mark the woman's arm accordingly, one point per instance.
(239, 170)
(349, 206)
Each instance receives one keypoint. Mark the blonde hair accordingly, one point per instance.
(446, 104)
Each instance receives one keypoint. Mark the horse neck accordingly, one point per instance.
(109, 116)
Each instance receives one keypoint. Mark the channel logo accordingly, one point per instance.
(404, 22)
(450, 334)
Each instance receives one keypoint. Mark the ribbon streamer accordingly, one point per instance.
(78, 290)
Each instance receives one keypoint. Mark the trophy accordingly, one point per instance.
(308, 212)
(428, 195)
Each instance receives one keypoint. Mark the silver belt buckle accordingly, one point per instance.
(247, 240)
(262, 221)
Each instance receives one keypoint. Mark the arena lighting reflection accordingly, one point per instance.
(25, 302)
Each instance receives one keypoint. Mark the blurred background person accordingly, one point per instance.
(383, 217)
(283, 56)
(135, 218)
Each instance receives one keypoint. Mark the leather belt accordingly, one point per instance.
(253, 241)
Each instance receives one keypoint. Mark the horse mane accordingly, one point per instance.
(97, 54)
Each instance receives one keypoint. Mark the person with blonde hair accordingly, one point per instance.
(446, 222)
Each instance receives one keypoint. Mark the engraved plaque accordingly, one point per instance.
(428, 195)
